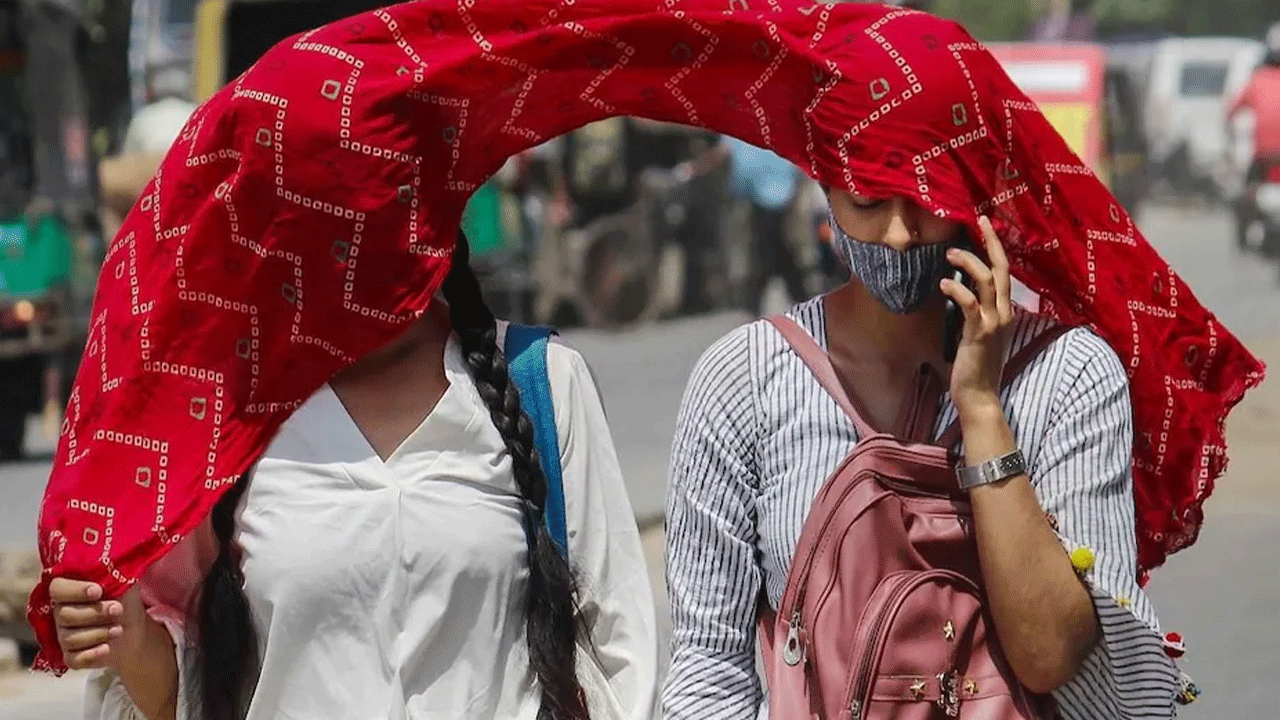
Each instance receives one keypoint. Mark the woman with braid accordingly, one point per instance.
(374, 564)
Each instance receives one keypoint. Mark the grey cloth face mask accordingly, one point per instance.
(902, 280)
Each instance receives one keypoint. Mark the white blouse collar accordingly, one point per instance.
(322, 430)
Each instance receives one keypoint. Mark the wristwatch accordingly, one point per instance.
(992, 471)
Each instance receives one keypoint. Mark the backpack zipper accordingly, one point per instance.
(789, 656)
(908, 583)
(792, 652)
(873, 638)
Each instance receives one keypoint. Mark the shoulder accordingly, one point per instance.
(1088, 351)
(564, 361)
(728, 352)
(576, 401)
(1078, 361)
(740, 358)
(725, 368)
(1076, 347)
(565, 366)
(1086, 355)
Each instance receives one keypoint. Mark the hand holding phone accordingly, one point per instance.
(982, 321)
(954, 323)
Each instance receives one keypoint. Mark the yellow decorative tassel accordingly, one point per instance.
(1082, 559)
(1188, 693)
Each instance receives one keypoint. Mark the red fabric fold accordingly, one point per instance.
(308, 212)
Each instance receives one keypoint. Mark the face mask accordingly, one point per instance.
(902, 280)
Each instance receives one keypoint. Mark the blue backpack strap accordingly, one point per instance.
(525, 348)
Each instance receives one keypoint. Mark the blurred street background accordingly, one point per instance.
(645, 242)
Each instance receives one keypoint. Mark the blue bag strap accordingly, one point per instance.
(525, 348)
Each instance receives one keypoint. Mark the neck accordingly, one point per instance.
(426, 337)
(859, 326)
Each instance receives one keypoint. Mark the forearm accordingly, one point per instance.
(1042, 611)
(149, 672)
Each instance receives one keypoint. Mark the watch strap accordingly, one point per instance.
(994, 470)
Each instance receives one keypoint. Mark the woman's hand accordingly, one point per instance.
(121, 636)
(96, 633)
(988, 318)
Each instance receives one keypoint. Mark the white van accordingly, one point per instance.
(1191, 81)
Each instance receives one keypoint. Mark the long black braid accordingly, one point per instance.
(552, 619)
(228, 644)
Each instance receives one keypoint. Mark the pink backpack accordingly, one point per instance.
(884, 612)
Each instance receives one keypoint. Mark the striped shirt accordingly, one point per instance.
(757, 437)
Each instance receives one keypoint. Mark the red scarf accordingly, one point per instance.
(308, 212)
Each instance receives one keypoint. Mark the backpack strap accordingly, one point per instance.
(819, 363)
(525, 348)
(1018, 362)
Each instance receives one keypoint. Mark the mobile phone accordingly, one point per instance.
(954, 322)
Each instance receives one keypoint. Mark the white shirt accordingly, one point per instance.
(396, 589)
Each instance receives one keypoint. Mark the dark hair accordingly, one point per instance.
(227, 643)
(552, 622)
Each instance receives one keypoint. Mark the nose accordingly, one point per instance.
(902, 230)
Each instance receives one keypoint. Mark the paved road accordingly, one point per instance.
(1221, 594)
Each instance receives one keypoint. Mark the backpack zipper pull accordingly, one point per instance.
(792, 651)
(855, 710)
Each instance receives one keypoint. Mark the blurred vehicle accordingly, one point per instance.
(1133, 57)
(1256, 210)
(1127, 160)
(691, 166)
(1093, 106)
(645, 235)
(51, 245)
(616, 268)
(1190, 82)
(1253, 128)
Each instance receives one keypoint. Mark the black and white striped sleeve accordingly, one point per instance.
(713, 576)
(1083, 476)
